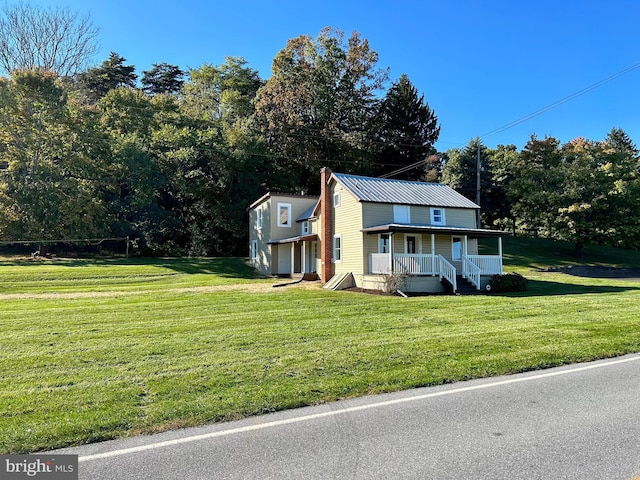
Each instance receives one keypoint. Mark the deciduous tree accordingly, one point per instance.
(55, 39)
(315, 109)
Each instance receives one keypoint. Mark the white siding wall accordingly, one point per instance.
(267, 258)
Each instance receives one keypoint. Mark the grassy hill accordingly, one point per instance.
(94, 350)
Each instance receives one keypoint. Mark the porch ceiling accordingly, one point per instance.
(417, 228)
(300, 238)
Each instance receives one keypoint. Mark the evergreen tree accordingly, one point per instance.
(162, 78)
(406, 129)
(111, 74)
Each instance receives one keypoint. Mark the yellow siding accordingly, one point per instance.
(347, 221)
(374, 214)
(421, 215)
(460, 217)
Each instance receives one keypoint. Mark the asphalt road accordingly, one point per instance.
(575, 422)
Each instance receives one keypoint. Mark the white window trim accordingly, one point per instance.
(400, 210)
(442, 221)
(254, 249)
(259, 217)
(335, 250)
(418, 243)
(288, 207)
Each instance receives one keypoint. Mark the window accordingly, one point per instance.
(336, 199)
(305, 227)
(337, 248)
(254, 249)
(284, 215)
(456, 248)
(384, 243)
(401, 214)
(437, 216)
(259, 217)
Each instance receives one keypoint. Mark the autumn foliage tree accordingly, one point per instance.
(315, 108)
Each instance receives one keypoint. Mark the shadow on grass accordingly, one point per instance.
(545, 288)
(231, 267)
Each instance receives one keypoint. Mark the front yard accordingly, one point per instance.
(97, 350)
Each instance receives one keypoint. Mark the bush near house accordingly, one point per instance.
(508, 282)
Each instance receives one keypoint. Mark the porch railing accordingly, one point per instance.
(380, 263)
(415, 264)
(447, 271)
(473, 266)
(471, 272)
(488, 264)
(412, 264)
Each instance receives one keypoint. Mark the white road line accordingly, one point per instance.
(306, 418)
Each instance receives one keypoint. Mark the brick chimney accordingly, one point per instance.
(326, 242)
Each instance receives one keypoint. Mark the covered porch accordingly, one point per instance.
(294, 255)
(429, 256)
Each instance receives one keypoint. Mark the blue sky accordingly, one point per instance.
(480, 64)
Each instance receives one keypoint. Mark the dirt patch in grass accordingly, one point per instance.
(598, 272)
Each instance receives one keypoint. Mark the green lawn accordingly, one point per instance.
(93, 350)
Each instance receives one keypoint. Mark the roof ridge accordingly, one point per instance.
(389, 179)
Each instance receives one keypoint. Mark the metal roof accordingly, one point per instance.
(385, 190)
(420, 228)
(307, 214)
(300, 238)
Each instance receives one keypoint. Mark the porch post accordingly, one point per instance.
(293, 258)
(391, 251)
(465, 252)
(303, 259)
(433, 253)
(500, 252)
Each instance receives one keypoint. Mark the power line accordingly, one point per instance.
(561, 101)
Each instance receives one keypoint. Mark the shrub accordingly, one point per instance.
(508, 282)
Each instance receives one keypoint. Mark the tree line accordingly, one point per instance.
(173, 158)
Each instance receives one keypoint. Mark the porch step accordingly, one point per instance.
(465, 287)
(340, 281)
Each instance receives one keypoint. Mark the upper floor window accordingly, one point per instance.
(401, 214)
(259, 217)
(284, 214)
(305, 227)
(437, 216)
(336, 199)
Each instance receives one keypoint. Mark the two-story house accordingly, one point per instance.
(363, 229)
